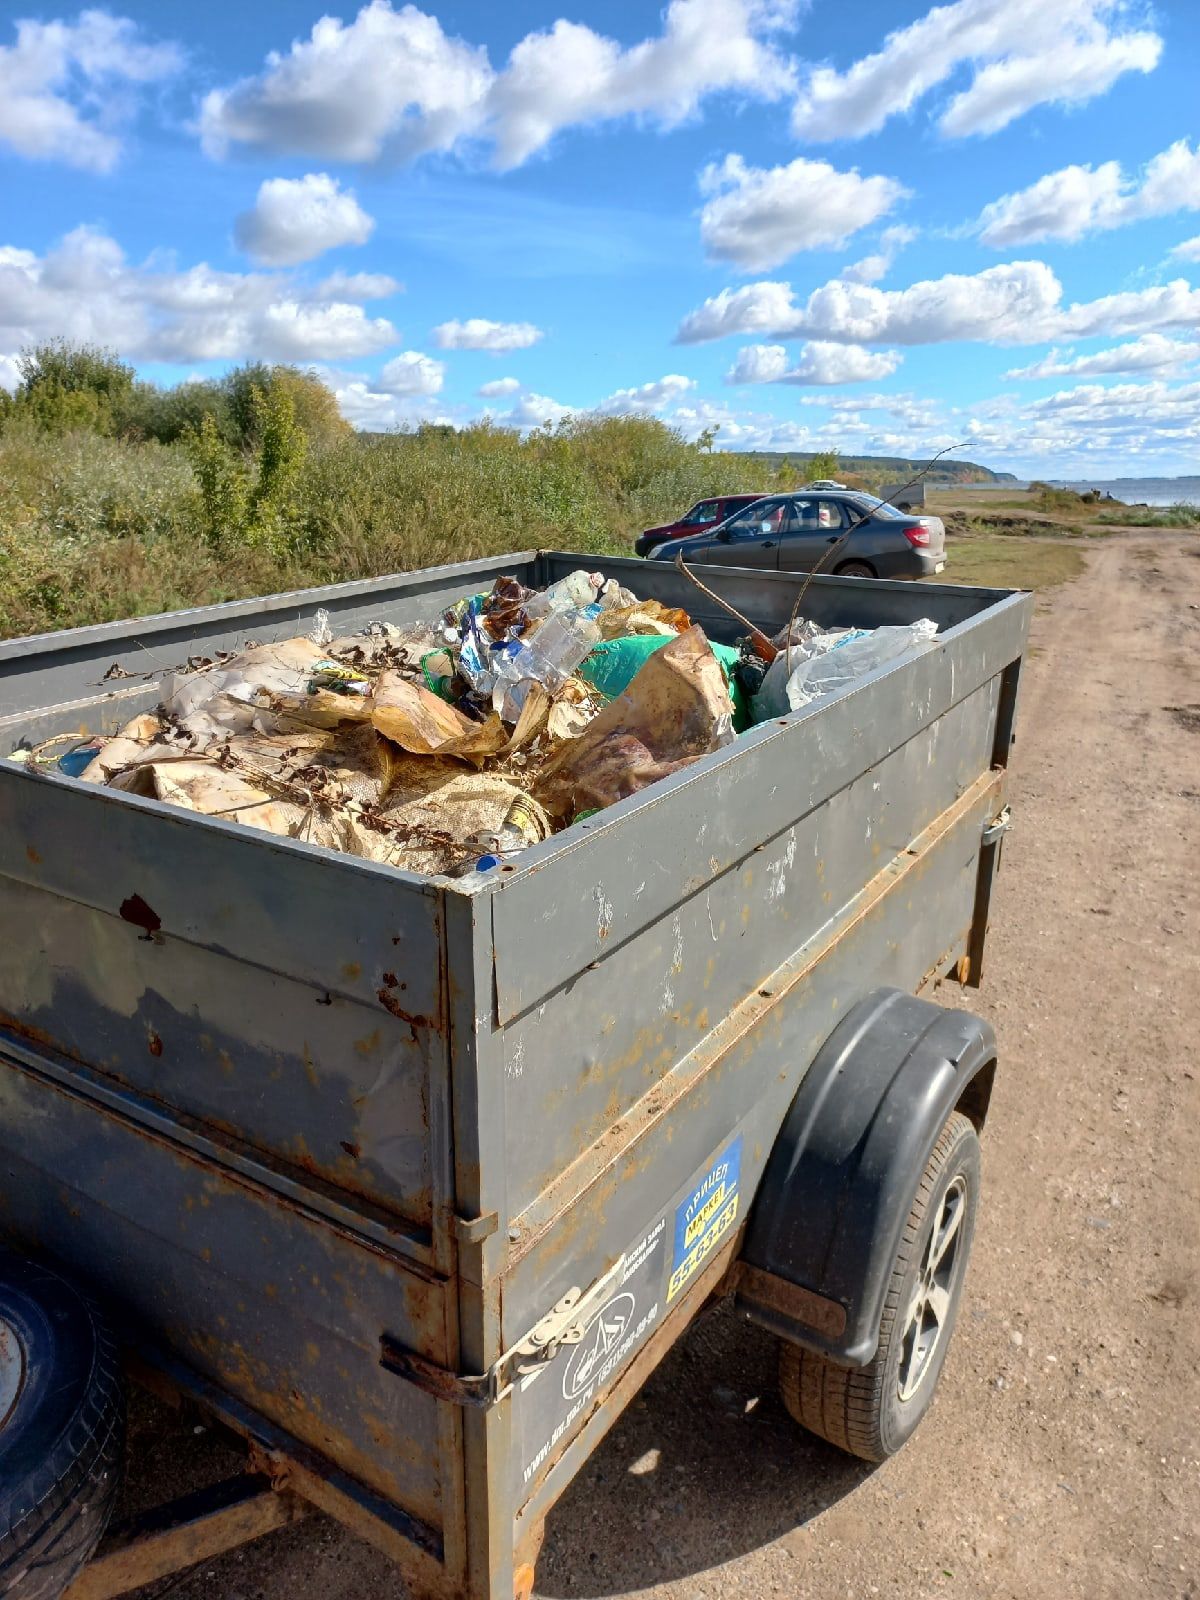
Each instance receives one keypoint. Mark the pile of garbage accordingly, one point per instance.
(450, 745)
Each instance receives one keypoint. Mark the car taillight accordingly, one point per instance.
(917, 535)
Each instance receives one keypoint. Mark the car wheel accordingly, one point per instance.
(854, 569)
(871, 1411)
(62, 1429)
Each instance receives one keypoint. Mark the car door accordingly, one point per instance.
(814, 524)
(751, 538)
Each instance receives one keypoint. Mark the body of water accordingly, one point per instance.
(1134, 491)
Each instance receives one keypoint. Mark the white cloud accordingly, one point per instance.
(1017, 303)
(498, 387)
(295, 219)
(392, 82)
(1080, 69)
(388, 80)
(645, 398)
(357, 286)
(477, 333)
(1132, 405)
(758, 217)
(1152, 352)
(84, 289)
(534, 411)
(818, 363)
(570, 75)
(1025, 52)
(873, 267)
(1189, 250)
(1171, 305)
(1079, 200)
(10, 374)
(412, 373)
(365, 405)
(64, 87)
(997, 303)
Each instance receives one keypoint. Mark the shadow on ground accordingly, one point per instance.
(703, 1467)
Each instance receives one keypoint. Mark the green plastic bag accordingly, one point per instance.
(613, 664)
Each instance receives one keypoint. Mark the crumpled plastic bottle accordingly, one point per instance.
(549, 657)
(578, 591)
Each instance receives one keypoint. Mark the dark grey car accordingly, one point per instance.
(794, 532)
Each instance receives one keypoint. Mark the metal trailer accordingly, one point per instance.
(410, 1183)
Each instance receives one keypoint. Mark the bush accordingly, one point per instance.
(265, 488)
(1180, 515)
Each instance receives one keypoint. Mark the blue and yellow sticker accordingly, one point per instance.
(704, 1218)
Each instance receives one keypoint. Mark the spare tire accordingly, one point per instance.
(62, 1429)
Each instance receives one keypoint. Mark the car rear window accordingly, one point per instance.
(878, 508)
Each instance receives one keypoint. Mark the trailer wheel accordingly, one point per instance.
(62, 1425)
(871, 1411)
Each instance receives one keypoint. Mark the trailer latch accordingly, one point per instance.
(995, 830)
(564, 1324)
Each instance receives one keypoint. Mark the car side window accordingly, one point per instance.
(804, 517)
(830, 514)
(748, 524)
(704, 513)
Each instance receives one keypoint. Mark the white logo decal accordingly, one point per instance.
(603, 1336)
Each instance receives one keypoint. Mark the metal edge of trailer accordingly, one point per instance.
(190, 618)
(566, 943)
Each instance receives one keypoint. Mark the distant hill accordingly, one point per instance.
(890, 468)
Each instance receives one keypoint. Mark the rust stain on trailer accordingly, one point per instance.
(386, 995)
(33, 855)
(38, 1036)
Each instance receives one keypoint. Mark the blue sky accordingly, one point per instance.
(977, 223)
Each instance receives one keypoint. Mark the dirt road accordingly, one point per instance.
(1063, 1455)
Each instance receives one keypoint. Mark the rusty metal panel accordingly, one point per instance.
(292, 999)
(273, 1303)
(576, 897)
(575, 1062)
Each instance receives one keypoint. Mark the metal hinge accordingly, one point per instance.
(564, 1324)
(995, 830)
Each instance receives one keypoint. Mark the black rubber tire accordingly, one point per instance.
(62, 1438)
(859, 1409)
(855, 569)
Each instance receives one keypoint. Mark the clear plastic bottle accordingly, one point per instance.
(549, 657)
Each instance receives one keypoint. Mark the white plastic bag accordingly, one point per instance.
(838, 666)
(808, 641)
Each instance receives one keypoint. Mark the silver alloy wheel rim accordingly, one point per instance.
(929, 1308)
(12, 1369)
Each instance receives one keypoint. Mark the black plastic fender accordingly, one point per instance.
(826, 1224)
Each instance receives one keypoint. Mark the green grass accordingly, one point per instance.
(1179, 515)
(1002, 563)
(95, 528)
